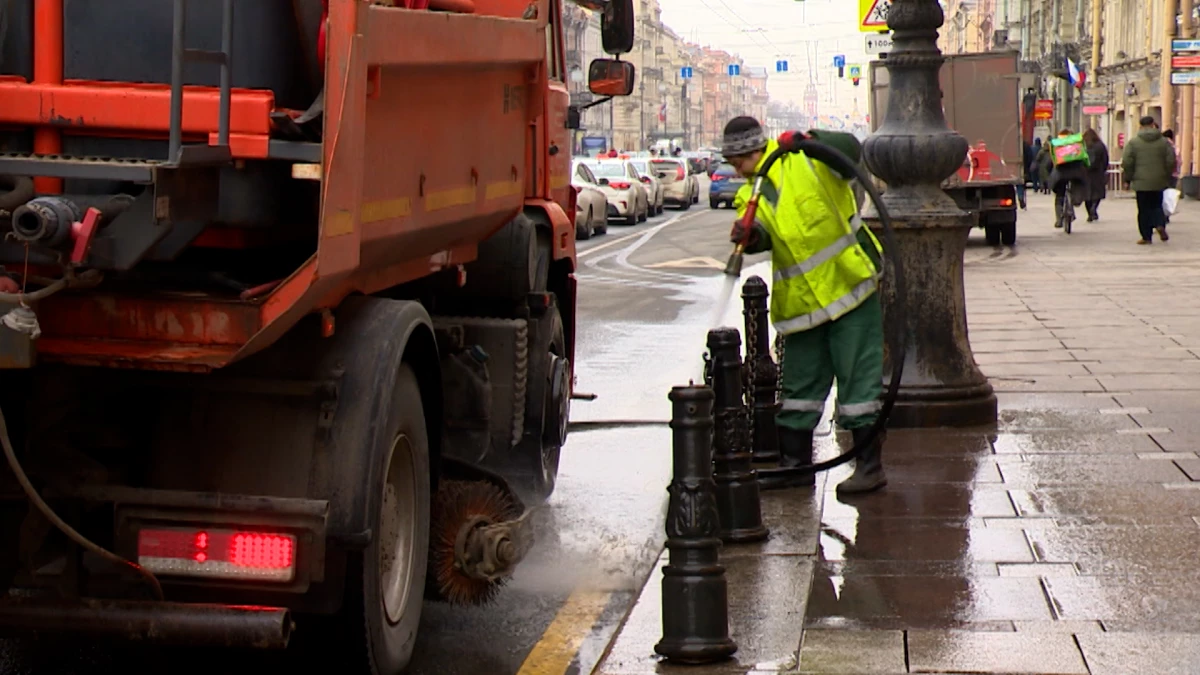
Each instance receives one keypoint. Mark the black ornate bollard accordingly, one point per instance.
(737, 483)
(695, 602)
(762, 374)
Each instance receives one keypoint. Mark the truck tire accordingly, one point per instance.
(1008, 234)
(537, 454)
(992, 234)
(385, 584)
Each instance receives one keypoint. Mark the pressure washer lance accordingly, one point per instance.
(794, 142)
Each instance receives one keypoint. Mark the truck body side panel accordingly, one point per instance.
(981, 101)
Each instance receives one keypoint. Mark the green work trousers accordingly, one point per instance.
(849, 349)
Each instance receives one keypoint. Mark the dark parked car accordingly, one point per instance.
(725, 184)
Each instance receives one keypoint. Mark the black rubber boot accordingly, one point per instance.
(796, 449)
(868, 468)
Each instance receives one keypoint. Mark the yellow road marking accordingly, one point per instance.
(710, 263)
(554, 653)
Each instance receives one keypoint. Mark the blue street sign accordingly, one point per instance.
(686, 72)
(735, 69)
(781, 66)
(839, 61)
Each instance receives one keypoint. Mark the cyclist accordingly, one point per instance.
(1069, 176)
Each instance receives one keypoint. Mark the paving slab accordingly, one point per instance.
(1110, 550)
(767, 595)
(1158, 653)
(1056, 470)
(1071, 443)
(1039, 654)
(853, 652)
(1137, 603)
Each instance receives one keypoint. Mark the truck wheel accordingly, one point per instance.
(992, 233)
(538, 453)
(386, 583)
(1008, 234)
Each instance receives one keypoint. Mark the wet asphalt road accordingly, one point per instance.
(645, 304)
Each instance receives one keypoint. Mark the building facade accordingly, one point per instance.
(666, 107)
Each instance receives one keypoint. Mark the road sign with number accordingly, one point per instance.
(878, 44)
(872, 15)
(734, 69)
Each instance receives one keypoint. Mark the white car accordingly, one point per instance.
(680, 188)
(622, 185)
(649, 179)
(591, 205)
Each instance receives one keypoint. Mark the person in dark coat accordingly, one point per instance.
(1031, 165)
(1097, 173)
(1045, 164)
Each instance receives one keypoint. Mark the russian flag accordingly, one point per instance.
(1074, 75)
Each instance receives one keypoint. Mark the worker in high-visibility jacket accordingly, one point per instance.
(824, 302)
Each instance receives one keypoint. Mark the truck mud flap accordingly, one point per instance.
(164, 623)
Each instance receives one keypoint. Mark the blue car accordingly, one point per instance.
(725, 183)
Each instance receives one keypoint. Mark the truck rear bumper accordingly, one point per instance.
(166, 623)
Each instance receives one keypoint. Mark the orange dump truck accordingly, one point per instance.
(287, 311)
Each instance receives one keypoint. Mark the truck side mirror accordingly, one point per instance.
(573, 117)
(616, 27)
(609, 77)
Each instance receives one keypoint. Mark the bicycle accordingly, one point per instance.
(1067, 212)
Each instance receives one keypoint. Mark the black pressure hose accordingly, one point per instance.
(774, 478)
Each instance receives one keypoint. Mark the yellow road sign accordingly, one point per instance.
(872, 15)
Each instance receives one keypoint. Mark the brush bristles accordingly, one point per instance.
(455, 504)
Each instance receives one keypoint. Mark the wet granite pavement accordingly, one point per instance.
(1062, 540)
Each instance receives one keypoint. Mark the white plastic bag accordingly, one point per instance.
(1171, 198)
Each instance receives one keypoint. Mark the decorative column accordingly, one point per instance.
(913, 151)
(695, 595)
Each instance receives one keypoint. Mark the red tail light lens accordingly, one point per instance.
(679, 174)
(218, 554)
(619, 185)
(1006, 202)
(645, 179)
(717, 178)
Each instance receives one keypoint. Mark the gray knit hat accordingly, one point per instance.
(743, 135)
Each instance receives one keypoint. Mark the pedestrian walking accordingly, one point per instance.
(824, 302)
(1045, 164)
(1146, 168)
(1097, 173)
(1031, 165)
(1169, 134)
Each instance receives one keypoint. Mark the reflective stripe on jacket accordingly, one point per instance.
(821, 270)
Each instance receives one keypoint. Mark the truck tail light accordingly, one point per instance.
(246, 555)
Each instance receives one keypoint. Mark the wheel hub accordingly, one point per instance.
(558, 408)
(396, 536)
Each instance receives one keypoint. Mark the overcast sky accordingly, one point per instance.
(808, 33)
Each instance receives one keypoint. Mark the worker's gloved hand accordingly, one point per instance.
(740, 234)
(790, 140)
